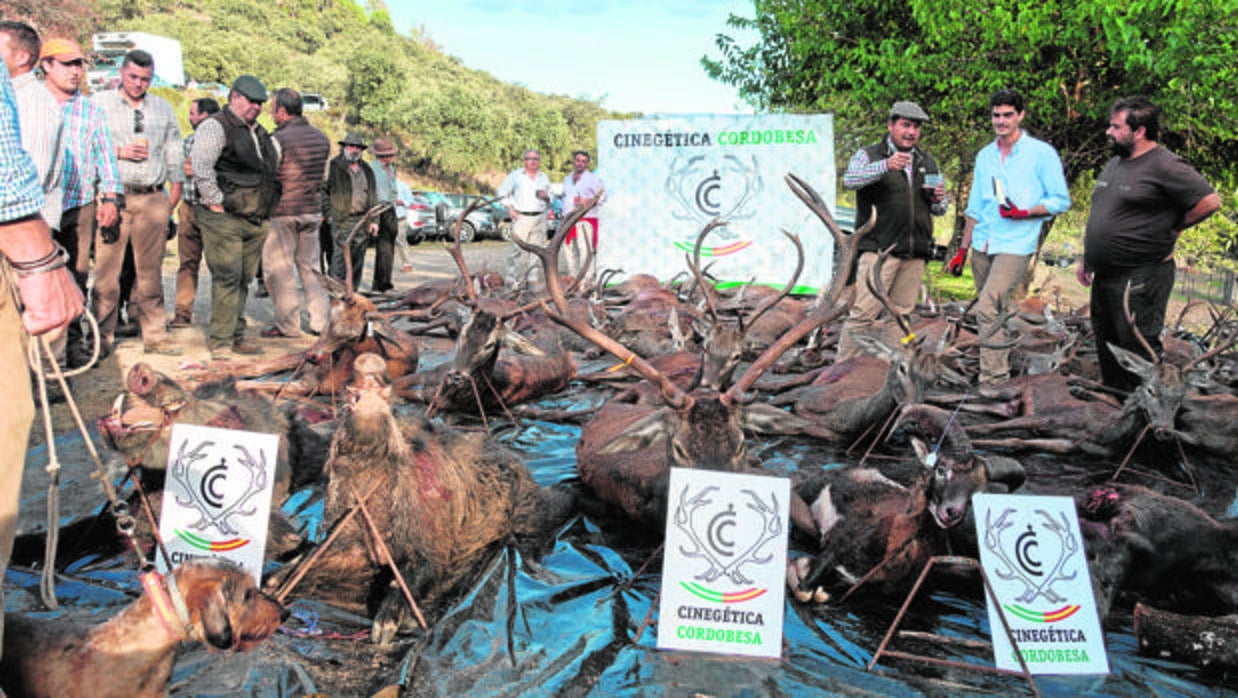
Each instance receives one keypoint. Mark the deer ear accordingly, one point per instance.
(923, 451)
(518, 343)
(762, 418)
(1132, 362)
(876, 347)
(640, 434)
(1006, 471)
(334, 287)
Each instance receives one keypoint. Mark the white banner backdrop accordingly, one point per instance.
(666, 178)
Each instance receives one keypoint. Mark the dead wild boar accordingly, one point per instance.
(443, 500)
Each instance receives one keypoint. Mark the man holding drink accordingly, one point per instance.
(892, 177)
(1017, 184)
(147, 139)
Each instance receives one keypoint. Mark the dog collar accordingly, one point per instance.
(170, 605)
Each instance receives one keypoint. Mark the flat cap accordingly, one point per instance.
(251, 88)
(354, 138)
(908, 110)
(61, 49)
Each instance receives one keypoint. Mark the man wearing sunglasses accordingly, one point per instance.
(1017, 185)
(92, 189)
(147, 141)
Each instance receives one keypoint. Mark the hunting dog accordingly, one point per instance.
(131, 655)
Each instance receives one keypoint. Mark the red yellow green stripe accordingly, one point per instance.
(1042, 617)
(708, 594)
(212, 546)
(717, 251)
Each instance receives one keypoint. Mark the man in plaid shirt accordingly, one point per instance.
(89, 169)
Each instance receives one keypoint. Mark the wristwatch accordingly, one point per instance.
(117, 198)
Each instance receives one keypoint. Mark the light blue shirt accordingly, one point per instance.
(1030, 175)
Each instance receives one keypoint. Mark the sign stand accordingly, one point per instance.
(961, 563)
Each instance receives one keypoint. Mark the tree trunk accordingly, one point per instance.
(1205, 641)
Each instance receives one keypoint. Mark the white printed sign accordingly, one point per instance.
(217, 496)
(1032, 553)
(666, 178)
(726, 553)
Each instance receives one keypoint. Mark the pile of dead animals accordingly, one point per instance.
(420, 499)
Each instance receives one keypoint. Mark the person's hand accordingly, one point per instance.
(50, 300)
(939, 193)
(373, 229)
(898, 161)
(136, 152)
(188, 167)
(1009, 210)
(955, 267)
(106, 215)
(217, 208)
(1084, 276)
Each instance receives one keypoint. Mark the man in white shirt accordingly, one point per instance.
(578, 187)
(526, 194)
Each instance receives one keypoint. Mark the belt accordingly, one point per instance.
(130, 189)
(530, 213)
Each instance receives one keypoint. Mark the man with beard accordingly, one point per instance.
(1143, 200)
(889, 176)
(578, 187)
(234, 162)
(351, 191)
(1017, 185)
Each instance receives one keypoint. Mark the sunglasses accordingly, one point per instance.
(79, 62)
(139, 121)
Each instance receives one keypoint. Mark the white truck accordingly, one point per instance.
(110, 49)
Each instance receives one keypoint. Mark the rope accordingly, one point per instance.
(39, 351)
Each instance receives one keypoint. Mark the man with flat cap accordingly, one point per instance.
(890, 177)
(234, 164)
(351, 191)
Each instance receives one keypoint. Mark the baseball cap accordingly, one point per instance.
(62, 50)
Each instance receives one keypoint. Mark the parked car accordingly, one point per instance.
(445, 209)
(420, 218)
(312, 101)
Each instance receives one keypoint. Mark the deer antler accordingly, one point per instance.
(829, 309)
(878, 289)
(457, 254)
(1130, 317)
(376, 210)
(549, 253)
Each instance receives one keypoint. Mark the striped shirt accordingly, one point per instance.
(166, 162)
(189, 192)
(41, 117)
(862, 172)
(89, 157)
(20, 192)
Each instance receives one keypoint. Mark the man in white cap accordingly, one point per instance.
(889, 177)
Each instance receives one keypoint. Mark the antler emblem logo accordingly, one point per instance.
(213, 490)
(707, 189)
(718, 539)
(1024, 553)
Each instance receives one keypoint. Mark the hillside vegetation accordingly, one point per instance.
(458, 128)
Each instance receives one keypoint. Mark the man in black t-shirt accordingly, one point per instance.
(1143, 200)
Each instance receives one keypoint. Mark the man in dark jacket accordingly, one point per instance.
(234, 163)
(350, 193)
(890, 176)
(291, 248)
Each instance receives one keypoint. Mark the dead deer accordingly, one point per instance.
(625, 452)
(874, 529)
(481, 376)
(850, 397)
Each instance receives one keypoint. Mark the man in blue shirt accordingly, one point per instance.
(49, 299)
(1016, 187)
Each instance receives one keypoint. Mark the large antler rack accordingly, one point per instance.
(878, 288)
(453, 248)
(830, 307)
(549, 253)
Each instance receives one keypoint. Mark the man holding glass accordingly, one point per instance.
(903, 184)
(1017, 185)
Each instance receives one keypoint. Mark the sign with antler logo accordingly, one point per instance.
(1032, 553)
(725, 565)
(217, 495)
(667, 177)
